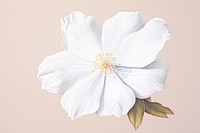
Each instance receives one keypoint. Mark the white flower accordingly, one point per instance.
(104, 69)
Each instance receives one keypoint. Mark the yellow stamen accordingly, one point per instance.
(105, 62)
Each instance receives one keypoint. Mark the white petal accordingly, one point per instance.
(84, 97)
(147, 80)
(117, 98)
(141, 48)
(60, 71)
(64, 24)
(117, 28)
(81, 35)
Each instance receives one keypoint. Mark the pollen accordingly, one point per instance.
(106, 62)
(105, 65)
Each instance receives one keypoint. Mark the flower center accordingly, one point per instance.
(104, 61)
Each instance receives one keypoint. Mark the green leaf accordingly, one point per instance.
(148, 99)
(157, 109)
(136, 114)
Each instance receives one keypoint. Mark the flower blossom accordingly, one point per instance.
(103, 69)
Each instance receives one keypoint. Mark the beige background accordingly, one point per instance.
(30, 30)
